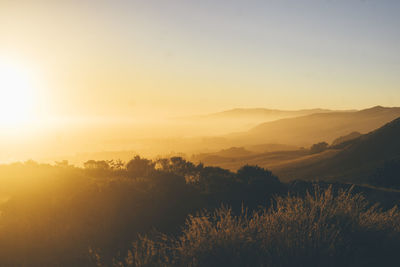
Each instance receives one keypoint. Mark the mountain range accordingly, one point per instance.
(262, 113)
(309, 129)
(361, 142)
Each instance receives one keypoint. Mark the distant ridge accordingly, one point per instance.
(262, 112)
(309, 129)
(237, 119)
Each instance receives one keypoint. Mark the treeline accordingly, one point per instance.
(56, 214)
(112, 213)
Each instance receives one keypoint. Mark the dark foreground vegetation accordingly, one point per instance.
(323, 229)
(110, 213)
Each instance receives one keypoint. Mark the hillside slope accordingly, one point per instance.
(310, 129)
(263, 113)
(356, 162)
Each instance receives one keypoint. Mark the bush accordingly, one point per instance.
(322, 229)
(140, 167)
(52, 214)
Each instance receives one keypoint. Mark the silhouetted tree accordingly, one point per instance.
(180, 166)
(257, 185)
(116, 164)
(256, 175)
(63, 164)
(97, 164)
(214, 180)
(140, 167)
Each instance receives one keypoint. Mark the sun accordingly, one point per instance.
(17, 91)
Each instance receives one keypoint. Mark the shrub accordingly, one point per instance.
(323, 229)
(140, 167)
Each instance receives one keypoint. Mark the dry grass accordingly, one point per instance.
(323, 229)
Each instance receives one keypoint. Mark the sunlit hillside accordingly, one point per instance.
(199, 133)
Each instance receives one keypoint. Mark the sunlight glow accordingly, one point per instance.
(16, 95)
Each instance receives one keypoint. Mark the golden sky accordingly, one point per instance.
(132, 59)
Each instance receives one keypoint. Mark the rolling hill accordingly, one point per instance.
(355, 163)
(310, 129)
(233, 120)
(354, 160)
(262, 113)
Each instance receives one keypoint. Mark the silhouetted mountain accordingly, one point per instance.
(314, 128)
(357, 162)
(239, 113)
(234, 120)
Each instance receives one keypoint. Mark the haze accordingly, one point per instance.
(99, 74)
(199, 133)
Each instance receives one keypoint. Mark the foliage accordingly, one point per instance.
(53, 214)
(139, 167)
(62, 215)
(322, 229)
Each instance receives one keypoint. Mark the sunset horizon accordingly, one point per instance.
(131, 58)
(183, 133)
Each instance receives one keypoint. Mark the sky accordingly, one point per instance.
(132, 59)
